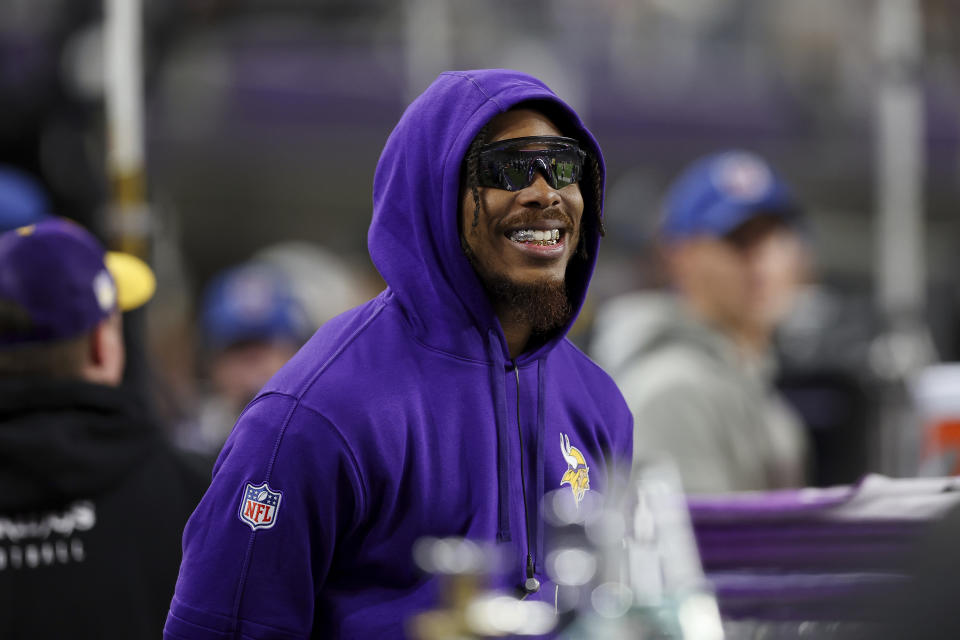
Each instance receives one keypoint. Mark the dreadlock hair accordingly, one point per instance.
(472, 168)
(591, 187)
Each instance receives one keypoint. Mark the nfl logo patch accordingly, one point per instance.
(259, 506)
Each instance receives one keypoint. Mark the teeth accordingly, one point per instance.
(543, 238)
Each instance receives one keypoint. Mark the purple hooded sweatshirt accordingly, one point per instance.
(404, 417)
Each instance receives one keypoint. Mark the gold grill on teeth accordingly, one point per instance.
(529, 236)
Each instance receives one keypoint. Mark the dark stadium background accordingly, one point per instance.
(265, 118)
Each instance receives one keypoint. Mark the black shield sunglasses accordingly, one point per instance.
(512, 165)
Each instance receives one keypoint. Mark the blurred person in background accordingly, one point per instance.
(94, 500)
(448, 405)
(251, 323)
(324, 282)
(22, 200)
(695, 365)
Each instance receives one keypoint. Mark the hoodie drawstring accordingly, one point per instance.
(541, 436)
(529, 584)
(503, 459)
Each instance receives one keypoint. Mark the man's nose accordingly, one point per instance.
(539, 194)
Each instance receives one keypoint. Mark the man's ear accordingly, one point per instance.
(95, 347)
(105, 352)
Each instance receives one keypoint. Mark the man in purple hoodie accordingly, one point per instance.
(446, 406)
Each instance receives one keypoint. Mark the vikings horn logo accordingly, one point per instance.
(578, 473)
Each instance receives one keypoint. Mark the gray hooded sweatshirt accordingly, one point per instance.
(696, 398)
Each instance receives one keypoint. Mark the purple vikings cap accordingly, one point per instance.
(719, 192)
(58, 277)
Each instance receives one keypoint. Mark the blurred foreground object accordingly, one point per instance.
(632, 571)
(468, 608)
(781, 565)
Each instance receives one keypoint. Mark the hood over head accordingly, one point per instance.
(414, 238)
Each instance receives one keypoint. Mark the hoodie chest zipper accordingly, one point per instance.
(530, 584)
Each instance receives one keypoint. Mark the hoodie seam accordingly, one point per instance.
(242, 582)
(520, 362)
(296, 404)
(354, 460)
(512, 83)
(483, 91)
(239, 619)
(363, 494)
(452, 356)
(343, 347)
(438, 350)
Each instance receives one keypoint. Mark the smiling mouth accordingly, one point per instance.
(544, 238)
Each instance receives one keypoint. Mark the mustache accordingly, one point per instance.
(530, 216)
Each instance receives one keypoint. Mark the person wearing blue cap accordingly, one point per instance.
(251, 324)
(695, 364)
(92, 499)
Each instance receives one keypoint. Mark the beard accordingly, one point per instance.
(544, 305)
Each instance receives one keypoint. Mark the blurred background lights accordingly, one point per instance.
(571, 567)
(611, 599)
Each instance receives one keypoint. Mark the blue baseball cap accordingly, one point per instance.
(22, 200)
(719, 192)
(59, 282)
(252, 302)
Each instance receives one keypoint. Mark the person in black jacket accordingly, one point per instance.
(92, 498)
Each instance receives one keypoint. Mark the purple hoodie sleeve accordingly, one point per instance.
(255, 556)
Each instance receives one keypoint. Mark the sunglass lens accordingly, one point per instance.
(565, 170)
(515, 174)
(514, 169)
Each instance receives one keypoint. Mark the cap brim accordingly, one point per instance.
(787, 216)
(135, 280)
